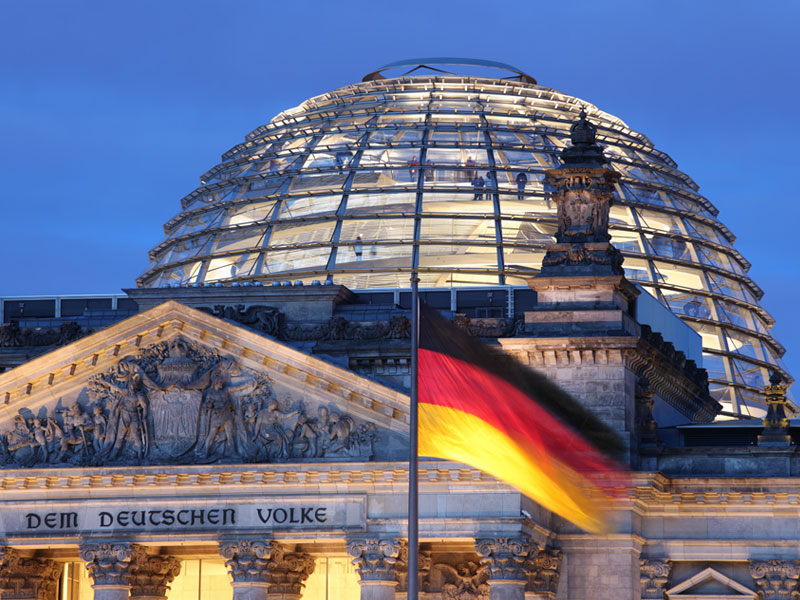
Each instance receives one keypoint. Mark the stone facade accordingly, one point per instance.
(114, 517)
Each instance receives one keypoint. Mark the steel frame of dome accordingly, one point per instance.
(362, 184)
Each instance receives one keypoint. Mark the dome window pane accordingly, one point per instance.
(376, 202)
(303, 206)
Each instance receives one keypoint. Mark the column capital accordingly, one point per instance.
(776, 579)
(8, 557)
(151, 574)
(653, 576)
(543, 572)
(248, 561)
(375, 559)
(108, 563)
(286, 575)
(27, 578)
(505, 557)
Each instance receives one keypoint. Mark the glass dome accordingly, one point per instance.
(362, 184)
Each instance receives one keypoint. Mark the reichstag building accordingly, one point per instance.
(236, 424)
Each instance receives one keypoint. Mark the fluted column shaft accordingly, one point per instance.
(376, 561)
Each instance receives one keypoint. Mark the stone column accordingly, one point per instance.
(654, 575)
(776, 579)
(109, 565)
(152, 574)
(506, 559)
(542, 573)
(376, 562)
(27, 578)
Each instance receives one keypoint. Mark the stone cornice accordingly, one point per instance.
(47, 378)
(630, 352)
(285, 478)
(649, 491)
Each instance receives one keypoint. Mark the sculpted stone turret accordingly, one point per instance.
(583, 188)
(776, 425)
(581, 288)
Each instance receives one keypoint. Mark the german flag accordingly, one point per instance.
(479, 406)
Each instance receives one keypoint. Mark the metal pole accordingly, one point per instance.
(413, 476)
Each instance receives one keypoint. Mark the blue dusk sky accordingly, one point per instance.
(110, 111)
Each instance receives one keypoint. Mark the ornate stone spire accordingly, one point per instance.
(583, 188)
(584, 151)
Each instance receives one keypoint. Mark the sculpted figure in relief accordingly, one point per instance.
(273, 430)
(178, 402)
(129, 416)
(217, 419)
(72, 436)
(20, 442)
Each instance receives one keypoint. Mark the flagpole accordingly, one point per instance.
(413, 444)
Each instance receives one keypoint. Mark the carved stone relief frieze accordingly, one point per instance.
(468, 580)
(271, 321)
(181, 403)
(14, 336)
(401, 569)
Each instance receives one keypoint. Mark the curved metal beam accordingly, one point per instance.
(462, 62)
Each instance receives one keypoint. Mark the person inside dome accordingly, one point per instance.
(522, 181)
(478, 184)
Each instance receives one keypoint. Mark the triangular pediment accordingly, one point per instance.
(177, 385)
(710, 584)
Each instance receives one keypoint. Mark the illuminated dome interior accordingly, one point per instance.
(445, 174)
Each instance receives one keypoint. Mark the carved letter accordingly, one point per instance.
(106, 519)
(34, 520)
(262, 517)
(320, 515)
